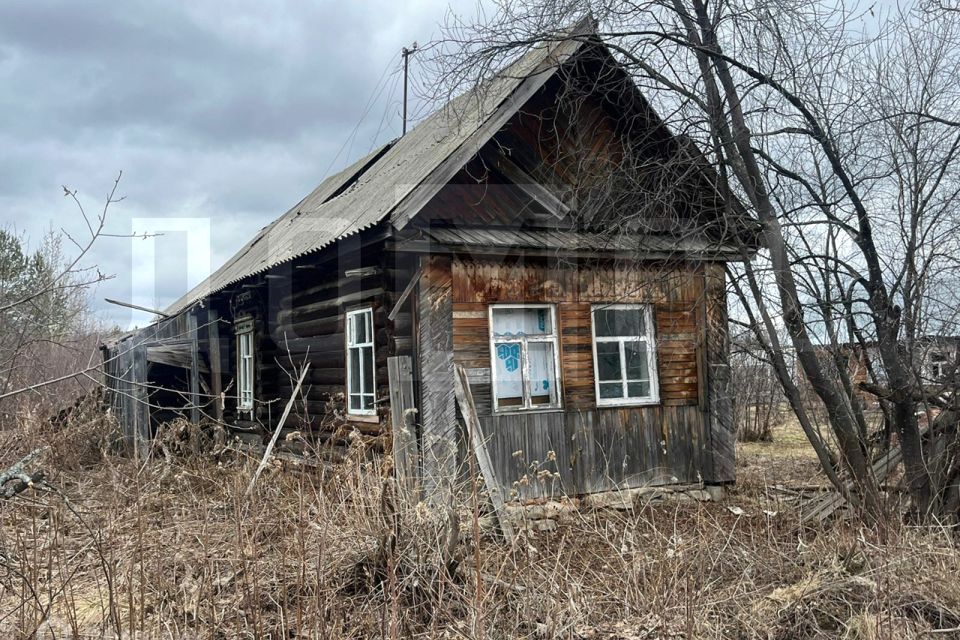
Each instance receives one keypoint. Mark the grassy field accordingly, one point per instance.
(175, 548)
(788, 459)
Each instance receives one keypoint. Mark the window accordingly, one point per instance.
(523, 350)
(244, 331)
(938, 366)
(624, 355)
(360, 364)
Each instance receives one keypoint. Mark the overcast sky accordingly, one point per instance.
(227, 111)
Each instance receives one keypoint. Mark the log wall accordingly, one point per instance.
(299, 317)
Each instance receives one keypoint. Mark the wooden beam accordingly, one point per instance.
(137, 307)
(362, 272)
(469, 412)
(140, 406)
(194, 366)
(680, 253)
(276, 434)
(403, 410)
(406, 294)
(213, 348)
(528, 184)
(440, 435)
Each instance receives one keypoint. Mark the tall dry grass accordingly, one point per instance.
(172, 547)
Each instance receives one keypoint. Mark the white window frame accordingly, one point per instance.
(649, 340)
(553, 339)
(938, 362)
(243, 329)
(373, 357)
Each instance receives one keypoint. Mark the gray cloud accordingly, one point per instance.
(231, 113)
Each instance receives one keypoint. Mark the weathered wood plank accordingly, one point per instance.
(406, 454)
(139, 402)
(479, 449)
(404, 295)
(722, 430)
(440, 437)
(194, 366)
(213, 347)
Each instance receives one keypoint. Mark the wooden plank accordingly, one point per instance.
(130, 305)
(479, 448)
(440, 440)
(177, 354)
(406, 453)
(722, 429)
(825, 505)
(194, 366)
(213, 349)
(528, 184)
(140, 409)
(404, 295)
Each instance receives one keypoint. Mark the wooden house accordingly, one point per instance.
(544, 230)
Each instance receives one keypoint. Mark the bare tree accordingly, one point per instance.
(47, 331)
(838, 130)
(758, 402)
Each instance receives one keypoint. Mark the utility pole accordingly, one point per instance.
(406, 53)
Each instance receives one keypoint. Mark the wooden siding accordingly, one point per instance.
(545, 454)
(675, 293)
(594, 448)
(718, 391)
(441, 442)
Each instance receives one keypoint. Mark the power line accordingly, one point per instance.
(374, 94)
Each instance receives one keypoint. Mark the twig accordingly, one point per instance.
(20, 478)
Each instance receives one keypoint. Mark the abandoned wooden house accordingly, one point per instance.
(543, 232)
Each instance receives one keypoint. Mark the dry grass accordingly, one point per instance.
(787, 459)
(172, 548)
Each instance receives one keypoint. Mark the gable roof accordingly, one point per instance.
(399, 178)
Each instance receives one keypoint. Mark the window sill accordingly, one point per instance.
(628, 403)
(509, 412)
(359, 417)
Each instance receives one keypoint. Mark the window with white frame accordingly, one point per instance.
(244, 331)
(523, 352)
(360, 363)
(938, 366)
(624, 354)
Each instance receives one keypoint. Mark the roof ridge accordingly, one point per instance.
(399, 174)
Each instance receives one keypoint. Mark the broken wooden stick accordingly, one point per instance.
(824, 505)
(130, 305)
(276, 434)
(468, 409)
(16, 479)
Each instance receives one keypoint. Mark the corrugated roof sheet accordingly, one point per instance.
(361, 196)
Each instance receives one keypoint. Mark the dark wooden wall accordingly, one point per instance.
(300, 318)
